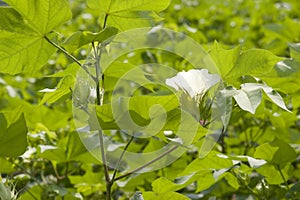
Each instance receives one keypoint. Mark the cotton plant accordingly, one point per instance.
(195, 83)
(203, 100)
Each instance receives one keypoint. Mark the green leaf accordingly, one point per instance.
(248, 98)
(285, 75)
(275, 97)
(285, 153)
(118, 72)
(295, 51)
(265, 151)
(276, 153)
(255, 62)
(80, 39)
(75, 147)
(223, 58)
(270, 92)
(163, 185)
(71, 70)
(287, 30)
(145, 117)
(273, 175)
(105, 117)
(13, 139)
(33, 192)
(137, 108)
(38, 116)
(205, 181)
(88, 178)
(63, 88)
(126, 14)
(115, 6)
(164, 196)
(250, 95)
(213, 161)
(255, 163)
(68, 149)
(6, 166)
(42, 15)
(232, 180)
(23, 48)
(51, 152)
(134, 19)
(223, 108)
(137, 5)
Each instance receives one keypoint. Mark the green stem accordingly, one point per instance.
(63, 50)
(100, 94)
(67, 169)
(99, 89)
(147, 164)
(247, 143)
(70, 56)
(121, 157)
(285, 182)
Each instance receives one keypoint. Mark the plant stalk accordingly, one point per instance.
(70, 56)
(121, 157)
(100, 94)
(285, 182)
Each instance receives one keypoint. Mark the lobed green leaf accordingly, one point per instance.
(23, 27)
(127, 14)
(255, 62)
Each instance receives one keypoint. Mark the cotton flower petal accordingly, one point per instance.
(194, 82)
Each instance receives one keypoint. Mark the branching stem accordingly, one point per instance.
(100, 93)
(120, 159)
(99, 81)
(70, 56)
(147, 164)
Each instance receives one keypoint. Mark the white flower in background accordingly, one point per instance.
(194, 82)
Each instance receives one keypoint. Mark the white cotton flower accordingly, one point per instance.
(194, 82)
